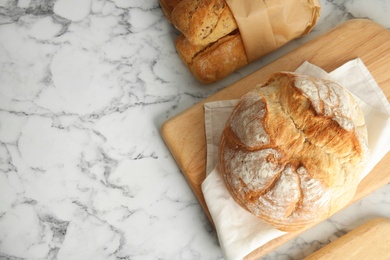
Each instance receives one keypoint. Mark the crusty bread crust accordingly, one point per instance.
(214, 62)
(167, 7)
(207, 27)
(203, 21)
(293, 149)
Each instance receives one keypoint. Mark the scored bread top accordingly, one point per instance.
(293, 149)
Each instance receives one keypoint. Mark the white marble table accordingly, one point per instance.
(84, 174)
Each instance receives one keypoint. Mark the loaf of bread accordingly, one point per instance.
(203, 21)
(212, 45)
(293, 150)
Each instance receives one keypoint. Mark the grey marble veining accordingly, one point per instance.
(84, 174)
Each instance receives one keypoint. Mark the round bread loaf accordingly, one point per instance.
(293, 150)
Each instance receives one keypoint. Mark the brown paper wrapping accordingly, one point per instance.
(221, 36)
(266, 25)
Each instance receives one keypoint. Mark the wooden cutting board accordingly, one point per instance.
(368, 241)
(184, 134)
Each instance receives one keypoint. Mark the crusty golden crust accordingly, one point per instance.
(203, 21)
(186, 50)
(167, 7)
(207, 25)
(293, 149)
(215, 61)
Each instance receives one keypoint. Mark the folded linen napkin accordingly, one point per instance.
(240, 232)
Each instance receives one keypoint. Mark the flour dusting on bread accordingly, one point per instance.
(293, 149)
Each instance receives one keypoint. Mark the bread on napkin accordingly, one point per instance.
(293, 149)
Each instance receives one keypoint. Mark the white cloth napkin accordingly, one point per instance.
(240, 232)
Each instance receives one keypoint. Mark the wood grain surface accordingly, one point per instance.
(368, 241)
(184, 134)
